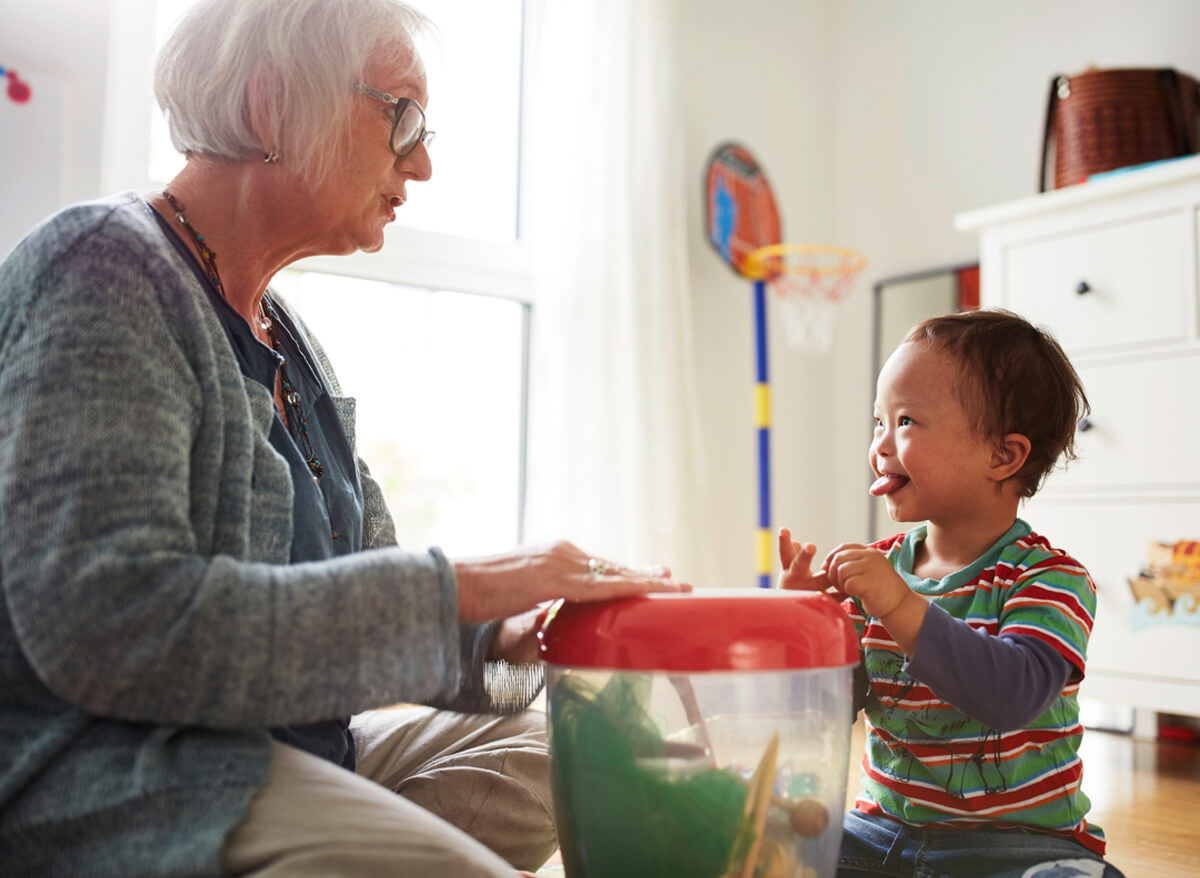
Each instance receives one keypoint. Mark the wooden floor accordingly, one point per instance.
(1145, 795)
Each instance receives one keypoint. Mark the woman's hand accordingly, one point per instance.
(516, 639)
(503, 586)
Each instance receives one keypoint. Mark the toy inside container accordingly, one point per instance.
(704, 735)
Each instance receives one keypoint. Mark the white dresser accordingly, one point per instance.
(1111, 268)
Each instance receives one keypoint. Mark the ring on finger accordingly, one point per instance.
(596, 567)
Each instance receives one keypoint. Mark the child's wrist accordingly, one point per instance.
(896, 607)
(905, 619)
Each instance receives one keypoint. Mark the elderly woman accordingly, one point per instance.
(202, 596)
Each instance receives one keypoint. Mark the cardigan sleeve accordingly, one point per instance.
(133, 484)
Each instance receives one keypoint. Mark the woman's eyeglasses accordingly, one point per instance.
(408, 122)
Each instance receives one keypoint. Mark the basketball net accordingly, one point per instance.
(809, 281)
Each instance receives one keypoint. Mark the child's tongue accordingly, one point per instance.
(887, 484)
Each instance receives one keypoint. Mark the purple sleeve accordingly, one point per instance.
(1001, 681)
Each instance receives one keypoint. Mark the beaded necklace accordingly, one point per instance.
(291, 396)
(267, 318)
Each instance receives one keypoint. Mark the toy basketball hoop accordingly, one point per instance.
(740, 210)
(809, 281)
(741, 222)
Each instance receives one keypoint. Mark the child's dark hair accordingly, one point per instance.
(1017, 380)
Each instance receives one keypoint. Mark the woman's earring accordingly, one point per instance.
(271, 158)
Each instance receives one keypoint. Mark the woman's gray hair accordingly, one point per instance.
(303, 56)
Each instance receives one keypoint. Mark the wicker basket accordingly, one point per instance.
(1100, 120)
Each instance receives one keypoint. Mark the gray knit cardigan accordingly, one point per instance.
(151, 626)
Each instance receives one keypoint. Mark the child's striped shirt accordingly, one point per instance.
(929, 764)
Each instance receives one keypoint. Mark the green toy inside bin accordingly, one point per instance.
(701, 735)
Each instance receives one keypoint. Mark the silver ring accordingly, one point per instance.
(596, 567)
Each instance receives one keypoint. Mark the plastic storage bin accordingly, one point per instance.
(700, 735)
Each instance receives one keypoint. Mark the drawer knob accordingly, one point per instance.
(1085, 424)
(1083, 287)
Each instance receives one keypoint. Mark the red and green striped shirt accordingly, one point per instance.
(929, 764)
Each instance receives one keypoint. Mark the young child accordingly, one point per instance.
(974, 629)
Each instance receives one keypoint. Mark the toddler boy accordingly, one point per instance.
(974, 629)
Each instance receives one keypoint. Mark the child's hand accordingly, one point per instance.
(796, 563)
(865, 573)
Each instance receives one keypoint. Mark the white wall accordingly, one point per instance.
(84, 46)
(765, 80)
(68, 40)
(877, 120)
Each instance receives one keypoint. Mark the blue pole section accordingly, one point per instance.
(762, 412)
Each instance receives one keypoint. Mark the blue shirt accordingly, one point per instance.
(319, 509)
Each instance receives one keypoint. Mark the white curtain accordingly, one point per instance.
(615, 455)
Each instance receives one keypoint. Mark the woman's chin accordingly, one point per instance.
(373, 239)
(363, 240)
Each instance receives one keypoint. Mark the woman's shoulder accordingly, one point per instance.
(102, 254)
(107, 229)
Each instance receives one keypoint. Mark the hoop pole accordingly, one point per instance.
(762, 414)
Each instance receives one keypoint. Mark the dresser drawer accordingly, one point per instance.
(1134, 275)
(1144, 638)
(1143, 426)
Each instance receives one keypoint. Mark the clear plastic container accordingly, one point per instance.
(701, 735)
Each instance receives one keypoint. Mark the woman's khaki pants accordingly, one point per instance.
(436, 794)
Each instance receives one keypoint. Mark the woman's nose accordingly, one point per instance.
(417, 164)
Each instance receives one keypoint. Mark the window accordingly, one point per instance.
(439, 378)
(474, 69)
(431, 334)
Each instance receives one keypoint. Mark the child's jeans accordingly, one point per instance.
(879, 846)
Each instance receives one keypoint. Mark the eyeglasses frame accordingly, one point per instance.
(401, 104)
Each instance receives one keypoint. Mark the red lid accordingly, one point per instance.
(726, 630)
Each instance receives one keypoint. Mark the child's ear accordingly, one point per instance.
(1008, 456)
